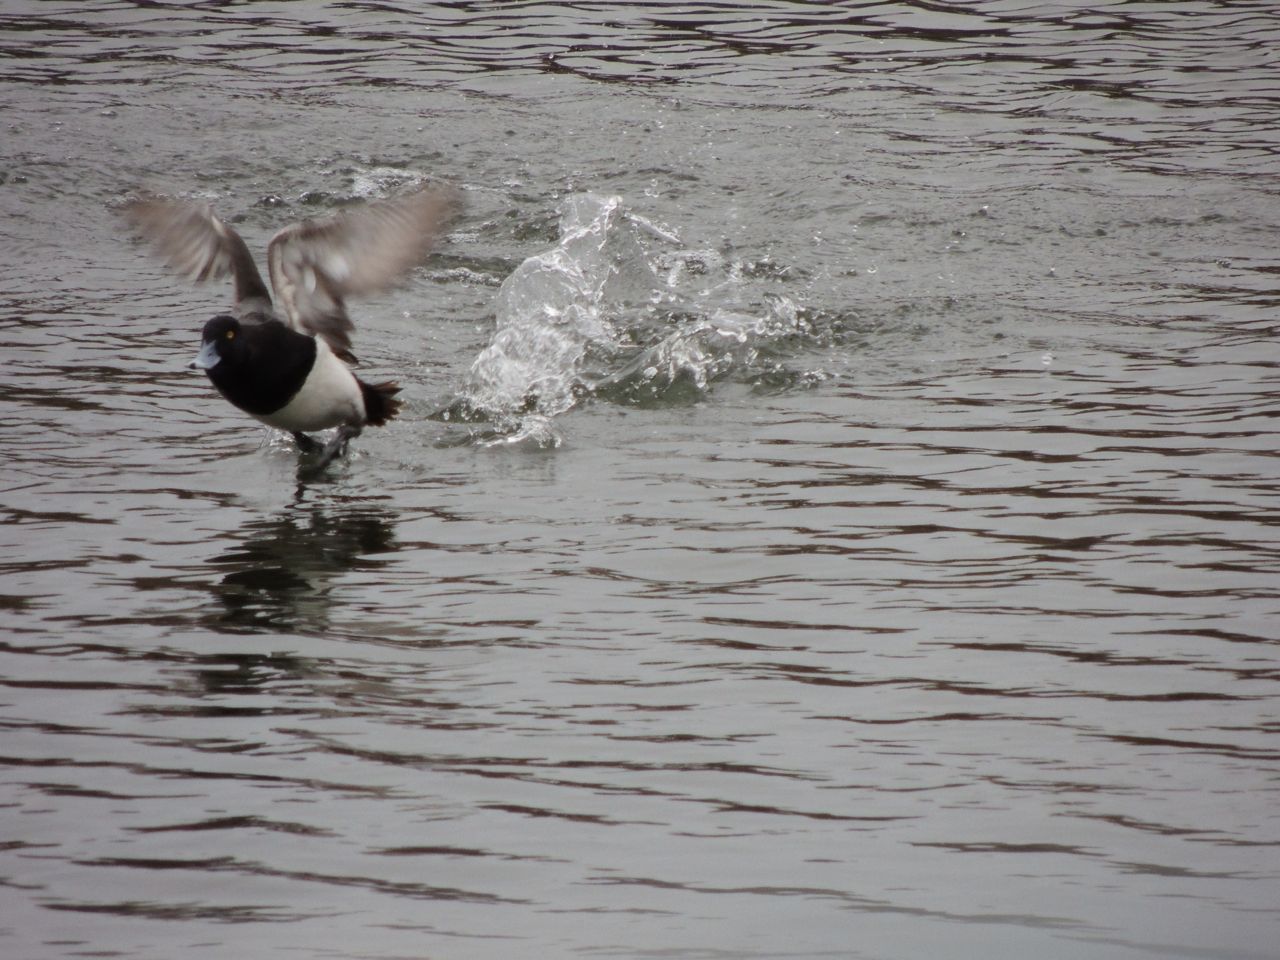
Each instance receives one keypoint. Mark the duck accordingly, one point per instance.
(288, 362)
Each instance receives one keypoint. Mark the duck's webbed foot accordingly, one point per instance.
(346, 433)
(305, 443)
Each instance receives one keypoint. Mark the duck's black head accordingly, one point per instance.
(222, 340)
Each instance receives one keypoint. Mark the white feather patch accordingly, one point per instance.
(329, 397)
(338, 267)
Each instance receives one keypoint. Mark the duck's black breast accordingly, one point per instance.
(265, 368)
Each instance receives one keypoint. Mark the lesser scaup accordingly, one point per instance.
(287, 364)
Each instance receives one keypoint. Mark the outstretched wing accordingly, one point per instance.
(191, 238)
(316, 264)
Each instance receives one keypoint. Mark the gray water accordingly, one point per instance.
(834, 513)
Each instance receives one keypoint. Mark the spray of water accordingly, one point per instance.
(611, 312)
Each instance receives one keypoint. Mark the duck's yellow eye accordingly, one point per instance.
(231, 334)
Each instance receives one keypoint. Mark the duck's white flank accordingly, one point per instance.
(329, 397)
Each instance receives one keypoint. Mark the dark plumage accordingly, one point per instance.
(287, 363)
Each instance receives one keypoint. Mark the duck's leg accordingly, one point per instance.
(346, 432)
(305, 443)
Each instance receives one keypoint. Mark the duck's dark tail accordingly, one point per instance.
(380, 403)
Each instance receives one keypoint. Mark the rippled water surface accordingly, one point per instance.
(834, 513)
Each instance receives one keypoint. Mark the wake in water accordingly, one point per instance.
(619, 310)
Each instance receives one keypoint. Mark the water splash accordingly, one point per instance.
(682, 365)
(617, 310)
(558, 310)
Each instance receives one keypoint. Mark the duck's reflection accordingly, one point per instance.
(238, 674)
(279, 575)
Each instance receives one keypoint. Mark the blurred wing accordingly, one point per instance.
(316, 264)
(192, 240)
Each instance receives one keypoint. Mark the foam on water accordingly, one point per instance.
(617, 310)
